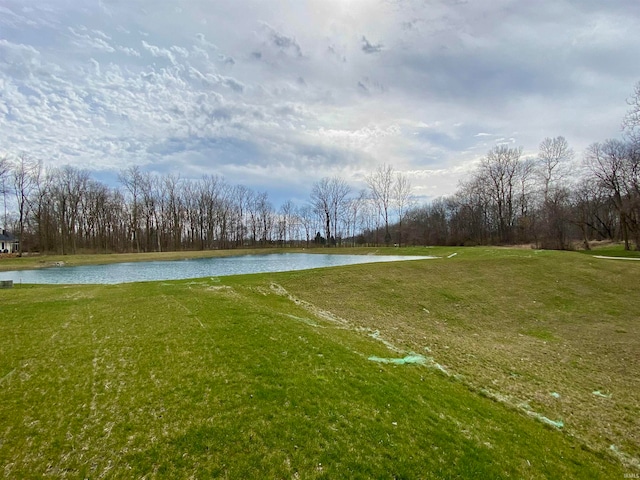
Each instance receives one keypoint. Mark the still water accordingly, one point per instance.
(192, 268)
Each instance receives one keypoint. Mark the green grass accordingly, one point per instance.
(613, 250)
(267, 376)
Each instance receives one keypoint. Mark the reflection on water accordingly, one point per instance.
(192, 268)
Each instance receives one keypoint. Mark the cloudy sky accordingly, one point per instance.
(277, 94)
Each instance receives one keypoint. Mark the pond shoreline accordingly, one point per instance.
(36, 260)
(187, 268)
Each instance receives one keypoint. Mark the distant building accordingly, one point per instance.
(8, 243)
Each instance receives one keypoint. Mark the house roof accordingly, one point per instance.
(6, 236)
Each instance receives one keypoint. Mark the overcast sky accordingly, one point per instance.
(277, 94)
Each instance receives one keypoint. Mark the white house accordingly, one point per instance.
(8, 243)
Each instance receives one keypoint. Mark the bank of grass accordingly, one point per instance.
(268, 376)
(613, 250)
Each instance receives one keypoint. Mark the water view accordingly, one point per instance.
(192, 268)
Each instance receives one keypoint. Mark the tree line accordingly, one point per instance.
(64, 210)
(551, 200)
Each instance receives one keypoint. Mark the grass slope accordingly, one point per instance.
(268, 376)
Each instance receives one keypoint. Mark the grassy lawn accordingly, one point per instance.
(612, 250)
(270, 375)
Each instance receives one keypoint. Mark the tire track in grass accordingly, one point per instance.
(342, 323)
(311, 308)
(181, 305)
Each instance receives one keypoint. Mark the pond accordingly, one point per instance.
(192, 268)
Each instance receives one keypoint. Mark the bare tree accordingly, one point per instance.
(306, 216)
(173, 210)
(328, 198)
(525, 216)
(285, 223)
(94, 222)
(131, 179)
(321, 201)
(471, 219)
(353, 214)
(69, 186)
(225, 208)
(591, 211)
(148, 197)
(265, 217)
(253, 216)
(192, 213)
(553, 163)
(381, 187)
(369, 221)
(552, 168)
(616, 166)
(339, 192)
(499, 172)
(43, 212)
(25, 180)
(5, 167)
(402, 200)
(242, 198)
(631, 122)
(211, 218)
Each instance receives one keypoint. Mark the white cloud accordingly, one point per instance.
(263, 93)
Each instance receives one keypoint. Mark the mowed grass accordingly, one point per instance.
(268, 376)
(612, 250)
